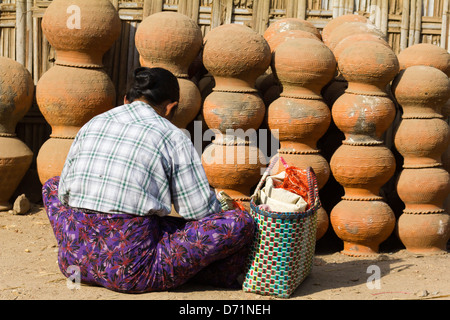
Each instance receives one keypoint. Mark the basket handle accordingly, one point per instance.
(265, 175)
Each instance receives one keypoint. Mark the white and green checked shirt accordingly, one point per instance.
(131, 160)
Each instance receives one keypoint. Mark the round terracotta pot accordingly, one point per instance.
(169, 40)
(362, 225)
(303, 67)
(189, 105)
(423, 190)
(368, 66)
(289, 24)
(323, 222)
(422, 142)
(362, 170)
(421, 91)
(425, 54)
(81, 31)
(424, 233)
(17, 88)
(344, 43)
(347, 29)
(299, 123)
(232, 111)
(363, 119)
(52, 157)
(236, 56)
(15, 159)
(69, 97)
(338, 21)
(281, 37)
(234, 169)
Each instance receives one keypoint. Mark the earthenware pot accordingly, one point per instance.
(169, 40)
(424, 233)
(236, 56)
(362, 225)
(303, 67)
(68, 97)
(368, 66)
(425, 54)
(338, 21)
(363, 119)
(51, 158)
(81, 31)
(16, 97)
(362, 170)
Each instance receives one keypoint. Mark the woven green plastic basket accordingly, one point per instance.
(283, 248)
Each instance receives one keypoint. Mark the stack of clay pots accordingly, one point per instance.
(362, 164)
(172, 41)
(76, 88)
(303, 65)
(235, 55)
(422, 89)
(16, 88)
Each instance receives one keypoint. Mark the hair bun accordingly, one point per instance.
(143, 79)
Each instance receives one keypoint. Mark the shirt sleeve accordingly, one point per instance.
(192, 196)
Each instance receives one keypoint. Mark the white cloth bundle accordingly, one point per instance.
(278, 199)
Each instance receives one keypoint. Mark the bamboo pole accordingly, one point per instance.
(404, 26)
(216, 13)
(21, 9)
(384, 13)
(335, 8)
(29, 36)
(412, 23)
(445, 20)
(228, 11)
(418, 25)
(302, 7)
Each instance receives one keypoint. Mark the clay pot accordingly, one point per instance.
(422, 142)
(425, 54)
(16, 88)
(281, 37)
(189, 105)
(362, 225)
(421, 91)
(233, 111)
(236, 56)
(362, 170)
(289, 24)
(368, 66)
(303, 67)
(423, 190)
(347, 29)
(363, 119)
(16, 96)
(69, 97)
(338, 21)
(169, 40)
(81, 31)
(51, 158)
(234, 169)
(15, 159)
(344, 43)
(424, 233)
(299, 123)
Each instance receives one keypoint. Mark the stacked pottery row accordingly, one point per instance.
(422, 89)
(362, 112)
(16, 97)
(302, 65)
(76, 88)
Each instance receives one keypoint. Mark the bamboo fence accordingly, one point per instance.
(21, 38)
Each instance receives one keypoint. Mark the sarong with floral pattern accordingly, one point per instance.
(135, 254)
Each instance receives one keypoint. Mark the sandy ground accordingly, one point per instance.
(29, 271)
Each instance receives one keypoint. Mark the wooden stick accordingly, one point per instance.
(301, 12)
(412, 23)
(404, 26)
(21, 8)
(384, 16)
(418, 25)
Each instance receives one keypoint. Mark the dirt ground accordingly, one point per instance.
(29, 271)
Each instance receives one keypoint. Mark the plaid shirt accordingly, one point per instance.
(131, 160)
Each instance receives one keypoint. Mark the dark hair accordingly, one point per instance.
(156, 85)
